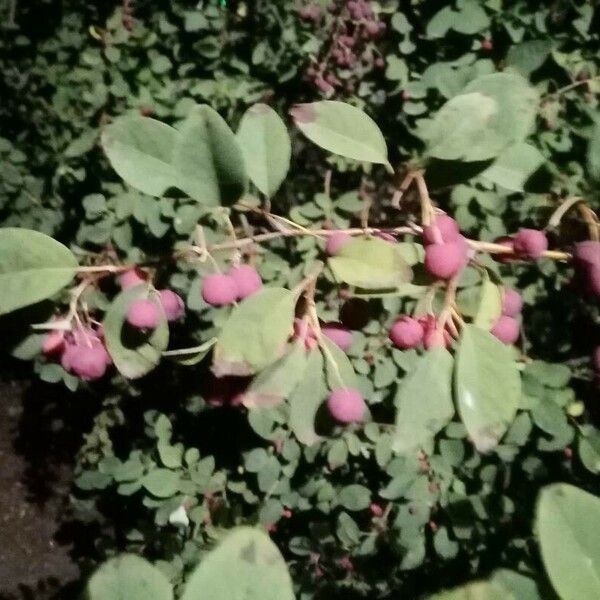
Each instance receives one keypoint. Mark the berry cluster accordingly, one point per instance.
(506, 328)
(222, 289)
(350, 53)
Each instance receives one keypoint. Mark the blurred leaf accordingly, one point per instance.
(140, 150)
(514, 167)
(424, 401)
(593, 152)
(370, 263)
(266, 146)
(568, 528)
(162, 483)
(488, 386)
(342, 129)
(490, 304)
(33, 267)
(355, 497)
(260, 571)
(207, 159)
(529, 56)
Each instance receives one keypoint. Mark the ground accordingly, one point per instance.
(35, 551)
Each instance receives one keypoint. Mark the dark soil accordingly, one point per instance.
(36, 454)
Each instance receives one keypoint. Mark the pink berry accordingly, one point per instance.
(596, 359)
(341, 336)
(219, 289)
(172, 305)
(247, 279)
(506, 329)
(487, 45)
(54, 343)
(509, 243)
(434, 338)
(376, 510)
(336, 242)
(512, 303)
(531, 243)
(443, 230)
(144, 314)
(131, 278)
(445, 260)
(347, 405)
(406, 333)
(89, 362)
(594, 280)
(587, 253)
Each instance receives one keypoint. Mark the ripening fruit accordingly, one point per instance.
(506, 329)
(247, 280)
(530, 242)
(219, 289)
(131, 278)
(587, 253)
(144, 314)
(443, 230)
(596, 359)
(172, 305)
(341, 336)
(434, 338)
(336, 242)
(406, 333)
(512, 303)
(487, 45)
(445, 260)
(346, 405)
(594, 280)
(54, 343)
(89, 362)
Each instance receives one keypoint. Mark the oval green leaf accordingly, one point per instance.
(131, 577)
(342, 129)
(266, 147)
(134, 354)
(490, 304)
(260, 571)
(207, 159)
(568, 527)
(370, 263)
(140, 150)
(487, 386)
(33, 267)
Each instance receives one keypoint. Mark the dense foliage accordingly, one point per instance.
(112, 144)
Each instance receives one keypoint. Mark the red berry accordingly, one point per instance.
(596, 359)
(172, 305)
(444, 229)
(131, 278)
(594, 280)
(445, 260)
(506, 329)
(247, 279)
(144, 314)
(406, 333)
(512, 303)
(376, 510)
(487, 45)
(434, 338)
(219, 289)
(347, 405)
(336, 242)
(341, 336)
(54, 343)
(531, 243)
(587, 253)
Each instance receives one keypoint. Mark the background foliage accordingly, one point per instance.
(349, 514)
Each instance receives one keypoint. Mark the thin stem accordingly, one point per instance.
(568, 88)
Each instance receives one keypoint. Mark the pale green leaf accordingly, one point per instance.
(33, 267)
(488, 386)
(266, 147)
(489, 308)
(514, 167)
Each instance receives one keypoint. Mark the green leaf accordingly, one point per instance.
(207, 159)
(260, 571)
(568, 528)
(342, 129)
(589, 451)
(134, 355)
(140, 150)
(355, 497)
(493, 112)
(128, 577)
(306, 399)
(191, 356)
(370, 263)
(527, 57)
(490, 304)
(339, 369)
(266, 146)
(514, 167)
(477, 590)
(33, 267)
(424, 401)
(593, 152)
(162, 483)
(487, 386)
(516, 586)
(275, 383)
(254, 336)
